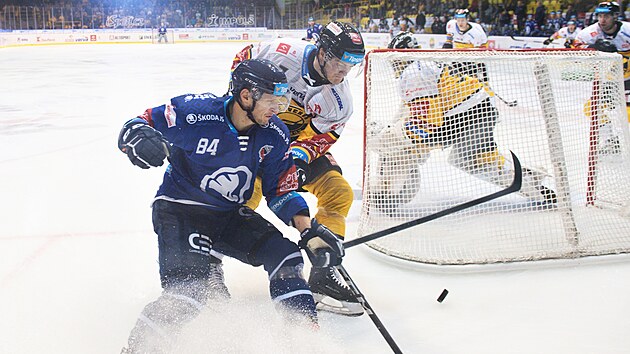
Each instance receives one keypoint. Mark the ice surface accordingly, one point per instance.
(78, 258)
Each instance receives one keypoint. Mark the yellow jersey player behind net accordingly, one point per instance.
(442, 110)
(321, 106)
(613, 36)
(463, 34)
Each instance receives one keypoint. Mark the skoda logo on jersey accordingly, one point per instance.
(352, 58)
(194, 118)
(230, 182)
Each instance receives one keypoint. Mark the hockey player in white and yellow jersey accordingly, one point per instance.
(460, 33)
(613, 36)
(320, 108)
(443, 109)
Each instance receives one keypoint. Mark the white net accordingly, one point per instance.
(440, 126)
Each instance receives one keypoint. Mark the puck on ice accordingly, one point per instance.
(442, 295)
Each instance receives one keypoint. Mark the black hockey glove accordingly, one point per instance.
(302, 170)
(143, 145)
(548, 41)
(568, 43)
(604, 45)
(322, 246)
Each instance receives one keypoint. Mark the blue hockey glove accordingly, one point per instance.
(143, 145)
(322, 246)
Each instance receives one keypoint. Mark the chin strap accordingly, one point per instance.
(248, 111)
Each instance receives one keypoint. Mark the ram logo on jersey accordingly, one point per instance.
(230, 182)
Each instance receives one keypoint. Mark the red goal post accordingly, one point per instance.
(439, 125)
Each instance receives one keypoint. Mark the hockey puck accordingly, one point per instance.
(442, 295)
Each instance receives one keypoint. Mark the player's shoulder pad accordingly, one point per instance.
(200, 108)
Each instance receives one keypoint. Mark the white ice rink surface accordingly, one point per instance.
(78, 257)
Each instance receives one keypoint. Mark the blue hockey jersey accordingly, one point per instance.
(213, 165)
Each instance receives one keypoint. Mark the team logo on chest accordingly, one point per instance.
(230, 182)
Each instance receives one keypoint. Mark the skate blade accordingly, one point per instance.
(329, 304)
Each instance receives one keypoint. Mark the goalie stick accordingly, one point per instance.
(514, 187)
(368, 309)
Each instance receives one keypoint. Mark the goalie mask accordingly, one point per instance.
(260, 76)
(403, 40)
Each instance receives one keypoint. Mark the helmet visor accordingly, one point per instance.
(280, 97)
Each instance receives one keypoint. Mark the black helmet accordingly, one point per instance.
(260, 76)
(343, 41)
(403, 40)
(608, 7)
(461, 13)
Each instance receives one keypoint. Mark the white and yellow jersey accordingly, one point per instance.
(318, 113)
(564, 33)
(432, 94)
(474, 37)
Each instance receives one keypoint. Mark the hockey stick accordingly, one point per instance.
(527, 40)
(508, 103)
(514, 187)
(368, 309)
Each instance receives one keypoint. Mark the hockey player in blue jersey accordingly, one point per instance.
(216, 146)
(162, 34)
(313, 30)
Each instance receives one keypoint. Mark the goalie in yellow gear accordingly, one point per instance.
(443, 108)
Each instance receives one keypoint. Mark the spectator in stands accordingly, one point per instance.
(530, 25)
(541, 14)
(395, 28)
(571, 12)
(421, 19)
(521, 13)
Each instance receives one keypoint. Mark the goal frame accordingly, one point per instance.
(593, 136)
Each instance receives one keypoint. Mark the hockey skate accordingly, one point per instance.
(331, 294)
(217, 290)
(534, 189)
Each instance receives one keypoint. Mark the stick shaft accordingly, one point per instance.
(514, 187)
(368, 309)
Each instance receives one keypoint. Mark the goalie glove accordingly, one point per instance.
(143, 145)
(322, 246)
(604, 45)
